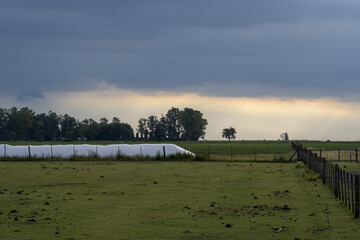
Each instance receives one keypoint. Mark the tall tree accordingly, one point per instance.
(3, 124)
(116, 120)
(284, 136)
(229, 133)
(68, 127)
(104, 129)
(104, 121)
(193, 124)
(173, 124)
(52, 126)
(46, 126)
(20, 124)
(142, 129)
(90, 129)
(160, 129)
(151, 124)
(121, 131)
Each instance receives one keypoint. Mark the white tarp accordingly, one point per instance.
(66, 151)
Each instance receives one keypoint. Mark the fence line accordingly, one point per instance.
(340, 153)
(344, 184)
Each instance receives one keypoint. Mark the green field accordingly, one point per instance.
(240, 150)
(331, 145)
(167, 200)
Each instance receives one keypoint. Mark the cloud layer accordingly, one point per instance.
(262, 66)
(248, 48)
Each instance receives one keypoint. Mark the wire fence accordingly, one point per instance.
(257, 151)
(344, 184)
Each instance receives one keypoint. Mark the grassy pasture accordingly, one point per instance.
(167, 200)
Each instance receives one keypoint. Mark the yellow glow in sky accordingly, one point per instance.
(253, 118)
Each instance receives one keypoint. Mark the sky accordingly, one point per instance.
(263, 67)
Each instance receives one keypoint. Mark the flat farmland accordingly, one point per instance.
(167, 200)
(240, 150)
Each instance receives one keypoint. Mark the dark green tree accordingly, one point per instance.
(89, 129)
(3, 124)
(104, 129)
(173, 124)
(20, 125)
(229, 133)
(142, 128)
(121, 131)
(160, 130)
(46, 127)
(151, 124)
(25, 124)
(69, 127)
(193, 124)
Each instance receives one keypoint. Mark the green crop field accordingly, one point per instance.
(167, 200)
(240, 150)
(331, 145)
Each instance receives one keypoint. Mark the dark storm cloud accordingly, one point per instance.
(29, 95)
(238, 48)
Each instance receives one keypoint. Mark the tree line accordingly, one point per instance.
(187, 124)
(25, 125)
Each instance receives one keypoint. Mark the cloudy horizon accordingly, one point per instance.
(263, 67)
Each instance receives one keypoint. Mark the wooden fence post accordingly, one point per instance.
(324, 171)
(29, 152)
(209, 153)
(74, 152)
(339, 180)
(299, 149)
(254, 154)
(164, 153)
(336, 181)
(327, 174)
(330, 176)
(348, 190)
(345, 188)
(352, 192)
(357, 196)
(331, 180)
(342, 184)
